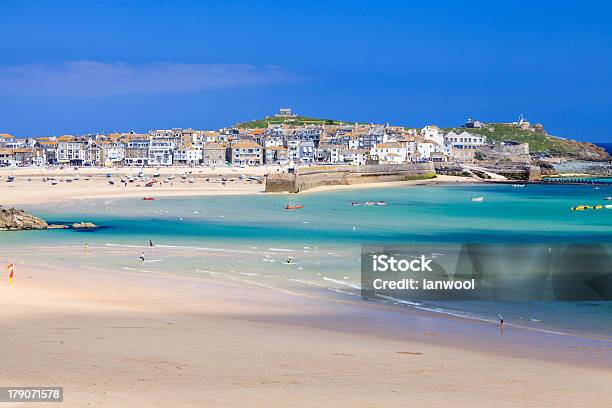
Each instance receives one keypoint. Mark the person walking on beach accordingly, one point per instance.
(86, 247)
(142, 257)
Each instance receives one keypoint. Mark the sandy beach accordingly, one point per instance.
(29, 186)
(112, 339)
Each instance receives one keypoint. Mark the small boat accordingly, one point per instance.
(608, 198)
(10, 179)
(380, 203)
(518, 185)
(477, 199)
(54, 183)
(148, 199)
(191, 180)
(111, 182)
(123, 180)
(355, 203)
(581, 208)
(293, 207)
(156, 174)
(598, 207)
(150, 183)
(370, 203)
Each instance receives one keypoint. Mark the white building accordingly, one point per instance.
(390, 153)
(464, 140)
(189, 155)
(160, 152)
(432, 133)
(70, 151)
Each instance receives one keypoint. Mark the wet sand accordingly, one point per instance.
(116, 339)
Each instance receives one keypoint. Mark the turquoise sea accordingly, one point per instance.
(248, 238)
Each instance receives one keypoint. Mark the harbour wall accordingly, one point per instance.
(305, 178)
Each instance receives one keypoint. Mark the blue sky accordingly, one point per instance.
(87, 66)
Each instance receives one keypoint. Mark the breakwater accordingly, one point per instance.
(304, 178)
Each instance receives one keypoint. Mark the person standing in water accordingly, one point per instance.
(501, 322)
(151, 243)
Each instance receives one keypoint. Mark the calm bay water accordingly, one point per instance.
(250, 237)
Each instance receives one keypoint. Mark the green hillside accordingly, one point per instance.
(295, 121)
(538, 142)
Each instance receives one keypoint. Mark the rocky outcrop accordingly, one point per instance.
(14, 219)
(82, 225)
(57, 226)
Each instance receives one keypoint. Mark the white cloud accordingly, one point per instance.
(91, 78)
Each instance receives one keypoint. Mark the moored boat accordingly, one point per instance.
(293, 207)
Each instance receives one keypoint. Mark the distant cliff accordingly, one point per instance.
(16, 219)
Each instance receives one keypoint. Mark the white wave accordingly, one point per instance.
(281, 250)
(396, 300)
(339, 282)
(309, 283)
(343, 292)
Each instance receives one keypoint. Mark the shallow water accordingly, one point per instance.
(248, 238)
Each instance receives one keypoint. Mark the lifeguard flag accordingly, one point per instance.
(10, 268)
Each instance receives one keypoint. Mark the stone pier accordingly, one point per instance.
(305, 178)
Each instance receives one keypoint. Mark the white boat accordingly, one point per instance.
(477, 199)
(518, 185)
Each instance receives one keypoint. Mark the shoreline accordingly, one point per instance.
(24, 192)
(106, 320)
